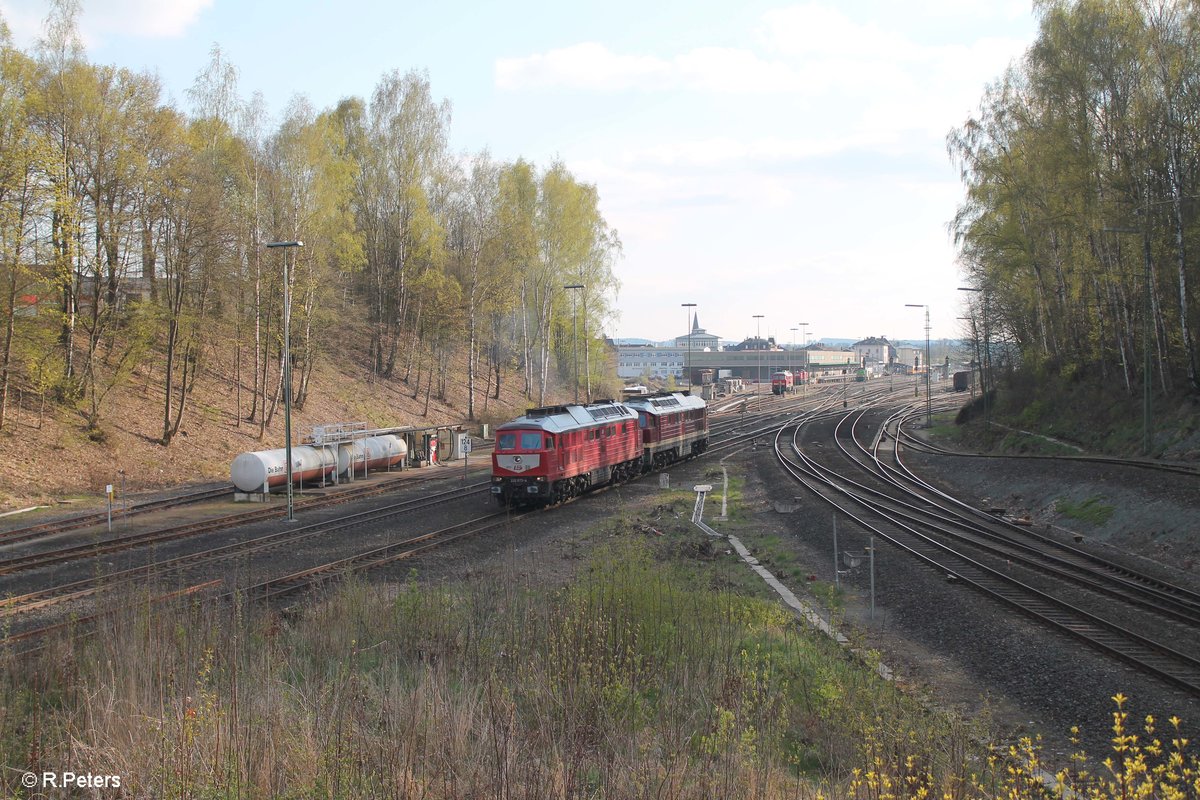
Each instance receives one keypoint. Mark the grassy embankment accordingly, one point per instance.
(1066, 412)
(658, 671)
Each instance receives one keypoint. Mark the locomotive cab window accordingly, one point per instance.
(531, 440)
(506, 441)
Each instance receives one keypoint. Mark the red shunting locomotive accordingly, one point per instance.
(555, 453)
(558, 452)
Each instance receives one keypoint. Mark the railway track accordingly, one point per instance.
(314, 577)
(199, 566)
(53, 527)
(1010, 564)
(128, 541)
(210, 559)
(1137, 463)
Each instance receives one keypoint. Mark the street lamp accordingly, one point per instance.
(688, 331)
(574, 335)
(928, 396)
(287, 373)
(1145, 336)
(758, 346)
(804, 344)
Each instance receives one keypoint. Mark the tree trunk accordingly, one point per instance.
(470, 367)
(168, 385)
(1189, 349)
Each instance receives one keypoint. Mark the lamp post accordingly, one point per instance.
(928, 396)
(1147, 312)
(804, 344)
(287, 373)
(574, 335)
(688, 331)
(758, 346)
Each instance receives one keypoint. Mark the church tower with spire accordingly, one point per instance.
(698, 338)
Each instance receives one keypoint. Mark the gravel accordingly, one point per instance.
(968, 653)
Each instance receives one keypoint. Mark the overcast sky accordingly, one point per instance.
(755, 157)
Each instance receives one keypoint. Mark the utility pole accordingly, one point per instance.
(928, 396)
(758, 346)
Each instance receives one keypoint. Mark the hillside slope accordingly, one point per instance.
(56, 460)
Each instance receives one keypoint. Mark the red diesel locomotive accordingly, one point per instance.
(674, 426)
(558, 452)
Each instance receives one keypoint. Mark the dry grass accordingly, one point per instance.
(647, 676)
(637, 682)
(51, 458)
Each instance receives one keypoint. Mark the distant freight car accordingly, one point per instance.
(964, 380)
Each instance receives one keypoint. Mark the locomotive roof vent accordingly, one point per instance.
(606, 412)
(545, 411)
(665, 402)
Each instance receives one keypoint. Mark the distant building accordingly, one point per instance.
(754, 343)
(698, 338)
(874, 350)
(910, 358)
(661, 362)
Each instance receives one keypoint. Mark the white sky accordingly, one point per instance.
(755, 157)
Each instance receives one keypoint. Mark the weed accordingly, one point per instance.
(1091, 510)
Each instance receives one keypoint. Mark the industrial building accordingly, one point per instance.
(697, 356)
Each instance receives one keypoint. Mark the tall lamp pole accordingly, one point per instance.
(287, 373)
(804, 344)
(928, 396)
(574, 335)
(758, 346)
(688, 329)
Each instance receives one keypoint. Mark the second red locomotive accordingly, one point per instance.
(558, 452)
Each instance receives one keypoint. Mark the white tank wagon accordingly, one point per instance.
(261, 470)
(382, 452)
